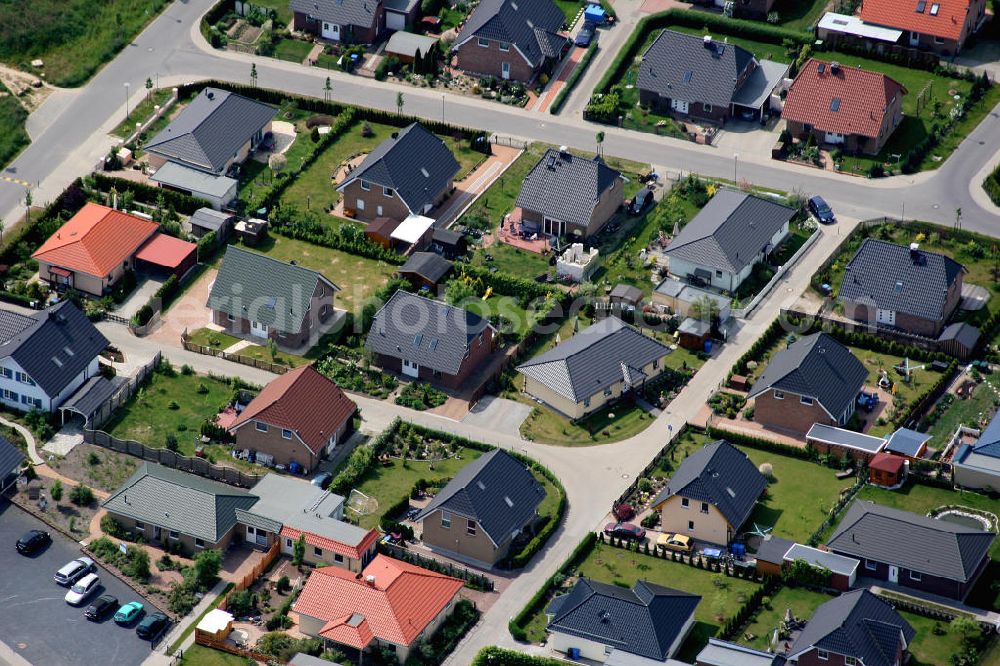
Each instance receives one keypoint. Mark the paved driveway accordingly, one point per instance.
(498, 415)
(37, 623)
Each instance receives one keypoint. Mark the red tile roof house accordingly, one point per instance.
(390, 604)
(853, 109)
(300, 417)
(941, 26)
(94, 248)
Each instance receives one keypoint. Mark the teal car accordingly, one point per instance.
(128, 613)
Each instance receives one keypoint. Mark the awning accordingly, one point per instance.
(412, 229)
(61, 272)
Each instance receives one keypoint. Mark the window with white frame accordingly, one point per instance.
(261, 427)
(317, 551)
(504, 46)
(365, 185)
(916, 575)
(8, 373)
(870, 565)
(822, 655)
(470, 528)
(685, 502)
(10, 395)
(140, 527)
(446, 520)
(286, 433)
(175, 535)
(704, 507)
(337, 557)
(484, 42)
(199, 543)
(850, 661)
(805, 400)
(779, 395)
(25, 379)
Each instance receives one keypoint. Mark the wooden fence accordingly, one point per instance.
(249, 579)
(273, 368)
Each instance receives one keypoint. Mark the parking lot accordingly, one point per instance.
(37, 623)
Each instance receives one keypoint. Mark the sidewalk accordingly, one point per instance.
(159, 656)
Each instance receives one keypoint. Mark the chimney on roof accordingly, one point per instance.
(563, 151)
(707, 41)
(834, 67)
(209, 94)
(915, 252)
(370, 579)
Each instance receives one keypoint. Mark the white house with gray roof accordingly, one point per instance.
(727, 238)
(597, 366)
(565, 194)
(977, 465)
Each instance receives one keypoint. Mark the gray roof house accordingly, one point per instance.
(911, 550)
(168, 505)
(901, 287)
(721, 244)
(597, 365)
(718, 474)
(213, 131)
(816, 369)
(978, 465)
(576, 194)
(723, 653)
(414, 335)
(414, 163)
(262, 289)
(647, 623)
(531, 28)
(347, 21)
(497, 492)
(10, 463)
(705, 78)
(856, 625)
(46, 356)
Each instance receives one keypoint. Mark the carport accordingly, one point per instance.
(753, 97)
(92, 401)
(164, 255)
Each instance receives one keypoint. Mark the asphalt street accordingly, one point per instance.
(35, 621)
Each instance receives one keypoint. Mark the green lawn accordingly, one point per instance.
(221, 341)
(293, 50)
(972, 412)
(570, 8)
(177, 406)
(13, 135)
(621, 567)
(928, 649)
(513, 261)
(281, 8)
(199, 655)
(546, 426)
(920, 498)
(499, 198)
(358, 277)
(73, 37)
(142, 111)
(799, 14)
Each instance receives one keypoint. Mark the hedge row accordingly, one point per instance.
(497, 656)
(361, 459)
(924, 401)
(842, 502)
(574, 78)
(348, 237)
(148, 194)
(538, 600)
(755, 30)
(760, 345)
(504, 284)
(762, 444)
(731, 628)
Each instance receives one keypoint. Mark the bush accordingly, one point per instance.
(81, 495)
(241, 603)
(207, 564)
(56, 491)
(137, 564)
(283, 584)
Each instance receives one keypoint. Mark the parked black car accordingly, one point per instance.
(103, 606)
(640, 201)
(33, 541)
(822, 210)
(152, 626)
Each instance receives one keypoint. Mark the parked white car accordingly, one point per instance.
(82, 589)
(74, 571)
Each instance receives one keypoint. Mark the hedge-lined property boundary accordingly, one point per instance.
(574, 78)
(992, 185)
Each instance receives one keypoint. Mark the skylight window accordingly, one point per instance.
(433, 344)
(417, 338)
(69, 352)
(687, 76)
(835, 104)
(480, 485)
(935, 8)
(57, 362)
(921, 6)
(508, 501)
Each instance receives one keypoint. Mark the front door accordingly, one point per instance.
(834, 137)
(258, 330)
(157, 534)
(679, 105)
(411, 368)
(331, 31)
(505, 70)
(893, 574)
(914, 39)
(885, 317)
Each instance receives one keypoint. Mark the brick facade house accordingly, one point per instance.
(344, 21)
(940, 26)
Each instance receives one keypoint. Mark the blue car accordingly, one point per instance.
(128, 613)
(822, 210)
(587, 34)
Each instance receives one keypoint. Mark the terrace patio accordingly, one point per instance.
(511, 232)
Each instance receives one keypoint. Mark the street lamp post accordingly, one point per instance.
(126, 99)
(442, 108)
(736, 161)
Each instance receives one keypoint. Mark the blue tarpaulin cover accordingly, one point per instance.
(594, 14)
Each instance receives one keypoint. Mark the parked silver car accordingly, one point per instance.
(82, 589)
(74, 571)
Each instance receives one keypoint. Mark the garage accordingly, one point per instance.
(163, 256)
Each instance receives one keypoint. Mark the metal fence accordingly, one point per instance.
(498, 140)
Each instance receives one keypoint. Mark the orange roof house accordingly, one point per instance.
(847, 105)
(93, 249)
(391, 603)
(947, 20)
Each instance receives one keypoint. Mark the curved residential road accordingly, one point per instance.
(71, 130)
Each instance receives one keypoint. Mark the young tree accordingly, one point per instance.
(253, 74)
(399, 103)
(138, 563)
(327, 90)
(81, 495)
(28, 200)
(149, 87)
(56, 491)
(299, 550)
(600, 144)
(459, 291)
(207, 564)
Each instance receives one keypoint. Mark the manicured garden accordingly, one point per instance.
(142, 111)
(73, 37)
(221, 341)
(611, 424)
(974, 411)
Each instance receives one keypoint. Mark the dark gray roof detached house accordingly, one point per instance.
(730, 232)
(181, 502)
(10, 462)
(496, 490)
(566, 187)
(693, 69)
(53, 346)
(211, 130)
(723, 476)
(341, 12)
(413, 162)
(816, 366)
(856, 624)
(596, 358)
(900, 279)
(531, 26)
(919, 543)
(649, 620)
(254, 286)
(434, 334)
